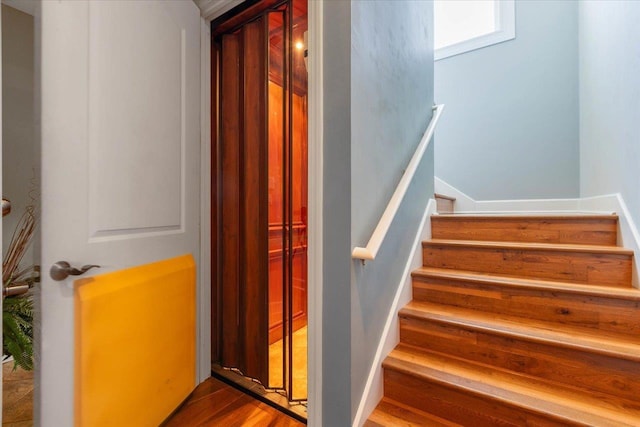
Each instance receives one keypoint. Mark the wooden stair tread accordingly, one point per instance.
(516, 390)
(632, 294)
(534, 330)
(442, 196)
(554, 247)
(526, 216)
(392, 413)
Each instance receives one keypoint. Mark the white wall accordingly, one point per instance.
(19, 152)
(510, 128)
(610, 100)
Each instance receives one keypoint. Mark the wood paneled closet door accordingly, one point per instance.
(241, 297)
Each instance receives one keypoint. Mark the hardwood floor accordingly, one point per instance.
(17, 397)
(214, 403)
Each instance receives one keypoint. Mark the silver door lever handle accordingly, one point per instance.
(62, 269)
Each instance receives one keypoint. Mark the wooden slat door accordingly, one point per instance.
(243, 287)
(256, 227)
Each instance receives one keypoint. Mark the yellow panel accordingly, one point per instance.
(135, 337)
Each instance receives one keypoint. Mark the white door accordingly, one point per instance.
(120, 129)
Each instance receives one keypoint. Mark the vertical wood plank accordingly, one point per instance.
(255, 202)
(215, 207)
(231, 186)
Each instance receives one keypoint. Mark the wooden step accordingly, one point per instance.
(475, 395)
(613, 310)
(566, 229)
(392, 413)
(566, 356)
(599, 265)
(444, 204)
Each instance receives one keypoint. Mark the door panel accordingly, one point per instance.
(120, 115)
(256, 232)
(243, 206)
(230, 208)
(149, 130)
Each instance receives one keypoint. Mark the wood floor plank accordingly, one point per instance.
(17, 396)
(215, 403)
(206, 389)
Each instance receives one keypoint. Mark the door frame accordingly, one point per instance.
(315, 199)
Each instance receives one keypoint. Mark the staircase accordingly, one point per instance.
(517, 321)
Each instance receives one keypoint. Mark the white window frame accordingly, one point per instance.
(506, 30)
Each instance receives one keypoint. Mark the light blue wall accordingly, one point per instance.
(610, 101)
(510, 127)
(391, 100)
(378, 93)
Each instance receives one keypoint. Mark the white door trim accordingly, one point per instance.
(315, 199)
(203, 358)
(1, 300)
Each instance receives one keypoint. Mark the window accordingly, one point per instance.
(464, 25)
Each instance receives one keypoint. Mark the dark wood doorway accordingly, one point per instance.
(259, 290)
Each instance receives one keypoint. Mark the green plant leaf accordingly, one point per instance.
(17, 330)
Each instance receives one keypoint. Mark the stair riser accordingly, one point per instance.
(458, 405)
(444, 206)
(578, 231)
(607, 314)
(574, 267)
(572, 367)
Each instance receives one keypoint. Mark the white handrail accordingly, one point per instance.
(369, 253)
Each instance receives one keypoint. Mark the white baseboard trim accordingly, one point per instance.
(390, 337)
(462, 203)
(466, 204)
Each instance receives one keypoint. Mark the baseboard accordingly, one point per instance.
(462, 203)
(466, 204)
(390, 337)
